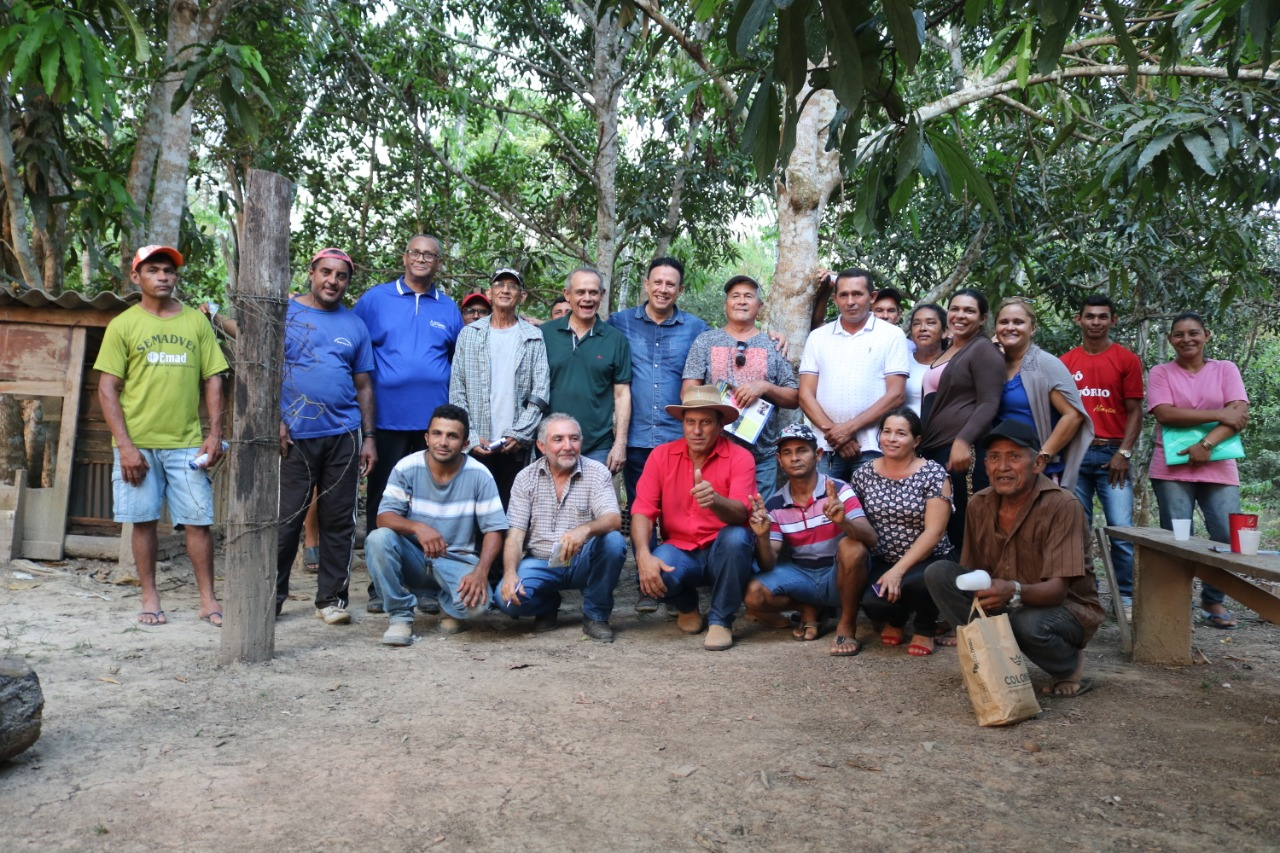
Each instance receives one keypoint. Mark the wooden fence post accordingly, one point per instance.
(254, 486)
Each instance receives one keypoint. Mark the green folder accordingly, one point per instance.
(1180, 438)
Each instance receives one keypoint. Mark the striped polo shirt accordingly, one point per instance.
(805, 531)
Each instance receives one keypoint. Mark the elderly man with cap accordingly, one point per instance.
(745, 358)
(812, 540)
(1028, 534)
(697, 487)
(155, 359)
(326, 430)
(500, 377)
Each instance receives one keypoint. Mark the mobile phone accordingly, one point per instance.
(878, 590)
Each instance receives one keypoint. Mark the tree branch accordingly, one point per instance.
(695, 53)
(961, 271)
(14, 197)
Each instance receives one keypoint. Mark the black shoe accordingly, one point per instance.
(428, 605)
(597, 630)
(546, 622)
(645, 604)
(374, 606)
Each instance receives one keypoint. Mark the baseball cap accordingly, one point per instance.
(150, 251)
(507, 272)
(1015, 431)
(741, 279)
(798, 432)
(336, 254)
(476, 297)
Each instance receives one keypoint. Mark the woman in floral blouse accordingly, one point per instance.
(908, 500)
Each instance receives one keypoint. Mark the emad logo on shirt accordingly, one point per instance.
(343, 341)
(166, 358)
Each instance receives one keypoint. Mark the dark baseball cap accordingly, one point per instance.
(741, 279)
(1015, 431)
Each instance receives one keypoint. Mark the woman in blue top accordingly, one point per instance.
(1040, 392)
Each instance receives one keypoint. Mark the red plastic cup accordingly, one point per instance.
(1240, 521)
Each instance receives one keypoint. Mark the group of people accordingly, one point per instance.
(864, 505)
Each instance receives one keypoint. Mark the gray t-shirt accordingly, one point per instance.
(714, 358)
(504, 349)
(462, 510)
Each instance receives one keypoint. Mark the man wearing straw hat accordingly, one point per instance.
(697, 488)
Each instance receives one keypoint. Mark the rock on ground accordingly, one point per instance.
(21, 706)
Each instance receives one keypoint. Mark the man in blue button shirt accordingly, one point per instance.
(660, 335)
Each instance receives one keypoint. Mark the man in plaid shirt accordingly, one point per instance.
(563, 534)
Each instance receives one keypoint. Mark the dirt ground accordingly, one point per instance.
(496, 739)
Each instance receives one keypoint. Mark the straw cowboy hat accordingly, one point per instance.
(703, 397)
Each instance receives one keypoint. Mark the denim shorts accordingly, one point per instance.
(810, 586)
(190, 493)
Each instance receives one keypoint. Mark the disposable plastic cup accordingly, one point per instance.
(1238, 521)
(1182, 529)
(974, 581)
(1249, 541)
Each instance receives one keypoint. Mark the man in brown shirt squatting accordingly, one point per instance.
(1029, 534)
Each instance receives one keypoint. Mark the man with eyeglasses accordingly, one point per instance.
(413, 325)
(500, 376)
(745, 358)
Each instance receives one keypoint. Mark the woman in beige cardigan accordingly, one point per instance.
(1039, 391)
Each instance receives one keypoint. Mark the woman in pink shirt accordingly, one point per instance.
(1193, 391)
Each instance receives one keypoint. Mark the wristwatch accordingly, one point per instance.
(1204, 442)
(1016, 601)
(1127, 454)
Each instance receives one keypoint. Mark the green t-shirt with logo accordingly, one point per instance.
(163, 362)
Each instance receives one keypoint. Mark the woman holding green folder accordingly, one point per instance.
(1206, 397)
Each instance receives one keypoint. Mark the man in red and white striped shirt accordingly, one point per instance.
(817, 523)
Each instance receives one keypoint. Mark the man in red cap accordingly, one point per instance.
(155, 358)
(475, 305)
(326, 430)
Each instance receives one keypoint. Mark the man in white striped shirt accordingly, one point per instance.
(440, 526)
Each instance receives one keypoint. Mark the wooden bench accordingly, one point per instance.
(1163, 570)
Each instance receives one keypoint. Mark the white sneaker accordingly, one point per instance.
(333, 615)
(398, 634)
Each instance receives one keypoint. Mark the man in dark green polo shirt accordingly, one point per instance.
(591, 371)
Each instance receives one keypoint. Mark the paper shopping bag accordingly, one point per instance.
(994, 672)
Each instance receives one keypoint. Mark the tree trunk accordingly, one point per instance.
(13, 448)
(611, 45)
(15, 197)
(162, 156)
(812, 174)
(254, 488)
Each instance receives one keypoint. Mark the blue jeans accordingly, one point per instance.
(594, 570)
(1117, 508)
(835, 465)
(401, 574)
(631, 471)
(767, 476)
(1178, 499)
(601, 455)
(725, 566)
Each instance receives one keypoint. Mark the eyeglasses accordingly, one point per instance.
(504, 284)
(415, 255)
(478, 311)
(742, 354)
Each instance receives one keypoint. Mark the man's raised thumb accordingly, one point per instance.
(697, 476)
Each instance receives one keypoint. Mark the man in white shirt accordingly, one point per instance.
(854, 369)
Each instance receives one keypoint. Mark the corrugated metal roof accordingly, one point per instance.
(70, 299)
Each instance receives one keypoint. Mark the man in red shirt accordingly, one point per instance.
(698, 487)
(1110, 381)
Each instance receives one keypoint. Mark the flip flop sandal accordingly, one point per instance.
(890, 639)
(209, 618)
(804, 631)
(845, 647)
(311, 560)
(1086, 684)
(918, 651)
(152, 618)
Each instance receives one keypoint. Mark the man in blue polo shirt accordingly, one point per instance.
(413, 325)
(326, 402)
